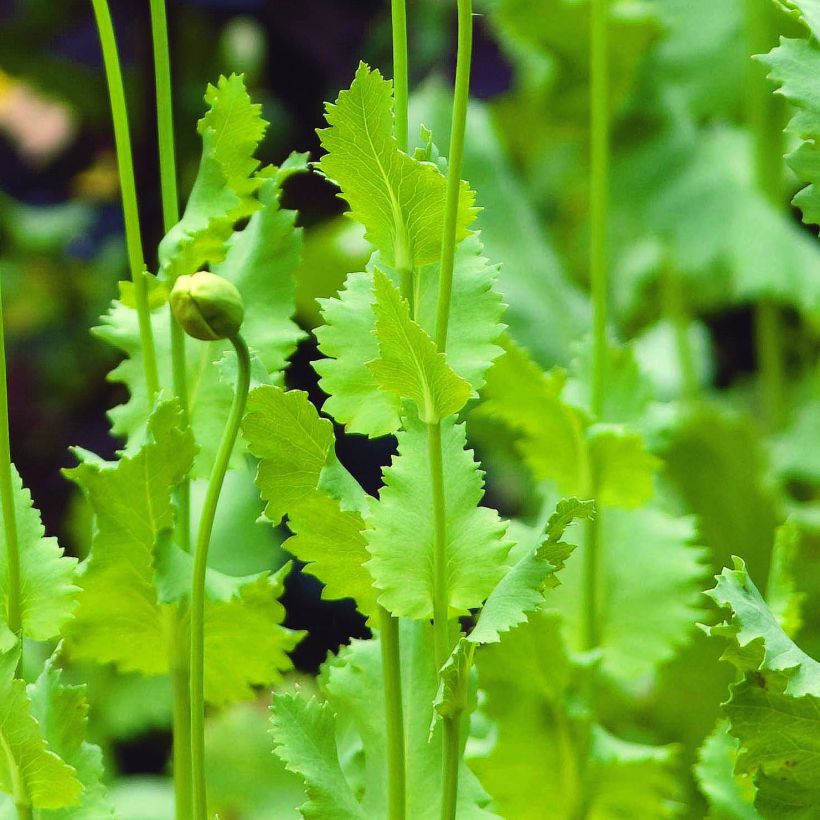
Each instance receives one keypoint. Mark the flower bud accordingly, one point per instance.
(207, 306)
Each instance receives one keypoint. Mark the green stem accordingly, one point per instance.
(765, 117)
(599, 191)
(598, 265)
(14, 611)
(674, 307)
(125, 165)
(461, 98)
(181, 691)
(441, 607)
(400, 72)
(203, 539)
(170, 216)
(394, 718)
(389, 626)
(24, 811)
(452, 757)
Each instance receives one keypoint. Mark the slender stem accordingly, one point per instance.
(675, 309)
(181, 690)
(599, 191)
(14, 611)
(441, 606)
(170, 216)
(598, 265)
(389, 626)
(400, 72)
(24, 811)
(452, 758)
(765, 117)
(125, 165)
(206, 523)
(391, 672)
(461, 98)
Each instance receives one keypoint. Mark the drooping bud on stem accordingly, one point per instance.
(207, 306)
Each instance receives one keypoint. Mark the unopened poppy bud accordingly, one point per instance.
(207, 306)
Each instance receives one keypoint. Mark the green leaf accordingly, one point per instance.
(119, 619)
(773, 710)
(399, 200)
(548, 751)
(730, 796)
(410, 365)
(244, 778)
(623, 468)
(299, 477)
(552, 433)
(401, 536)
(454, 682)
(261, 260)
(135, 574)
(225, 187)
(61, 711)
(29, 771)
(245, 644)
(48, 593)
(304, 734)
(210, 394)
(521, 591)
(807, 10)
(332, 542)
(348, 342)
(652, 593)
(291, 441)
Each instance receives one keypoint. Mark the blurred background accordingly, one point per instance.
(699, 240)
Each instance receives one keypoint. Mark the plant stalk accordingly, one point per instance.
(170, 216)
(765, 118)
(461, 98)
(203, 539)
(455, 159)
(401, 82)
(674, 306)
(14, 609)
(388, 625)
(128, 186)
(170, 213)
(598, 265)
(394, 717)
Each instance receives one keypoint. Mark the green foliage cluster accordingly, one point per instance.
(542, 663)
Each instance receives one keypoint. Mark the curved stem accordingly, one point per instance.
(179, 666)
(206, 523)
(461, 98)
(394, 718)
(14, 612)
(125, 165)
